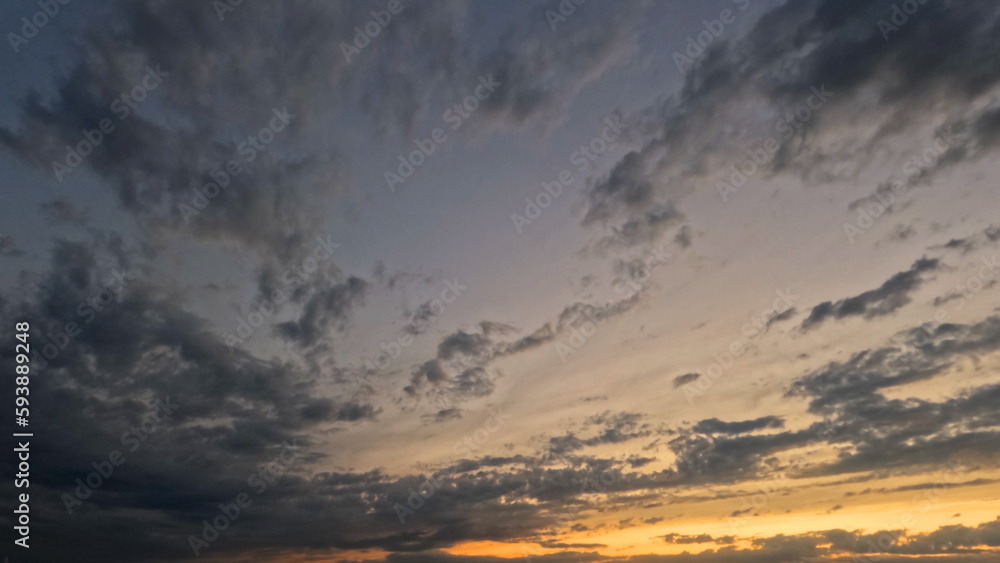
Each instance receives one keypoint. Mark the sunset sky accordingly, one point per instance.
(567, 281)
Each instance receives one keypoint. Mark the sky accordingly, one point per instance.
(473, 282)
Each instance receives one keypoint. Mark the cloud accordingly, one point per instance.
(61, 211)
(443, 415)
(473, 382)
(716, 426)
(782, 316)
(467, 354)
(678, 538)
(541, 77)
(233, 411)
(220, 88)
(948, 544)
(880, 430)
(890, 296)
(957, 295)
(327, 308)
(682, 380)
(683, 236)
(8, 247)
(463, 343)
(613, 428)
(965, 245)
(236, 409)
(420, 320)
(644, 229)
(926, 352)
(731, 100)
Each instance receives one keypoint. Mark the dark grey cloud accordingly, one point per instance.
(716, 426)
(679, 538)
(233, 412)
(640, 229)
(924, 487)
(926, 352)
(782, 316)
(901, 233)
(907, 434)
(471, 345)
(459, 369)
(152, 167)
(430, 371)
(683, 236)
(639, 461)
(542, 71)
(871, 437)
(62, 211)
(960, 295)
(611, 428)
(420, 319)
(682, 380)
(8, 247)
(975, 241)
(443, 415)
(689, 140)
(219, 88)
(327, 308)
(574, 315)
(473, 382)
(728, 458)
(890, 296)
